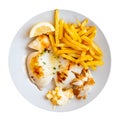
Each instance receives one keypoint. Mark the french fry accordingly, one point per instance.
(56, 19)
(67, 50)
(92, 36)
(96, 48)
(75, 55)
(75, 34)
(52, 41)
(88, 27)
(75, 43)
(83, 53)
(92, 53)
(72, 32)
(61, 29)
(77, 30)
(69, 58)
(74, 25)
(87, 57)
(84, 64)
(87, 39)
(78, 22)
(61, 45)
(84, 22)
(95, 63)
(66, 27)
(82, 32)
(69, 44)
(91, 30)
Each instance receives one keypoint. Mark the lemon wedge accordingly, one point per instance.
(41, 28)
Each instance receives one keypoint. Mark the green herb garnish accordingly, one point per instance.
(44, 63)
(54, 68)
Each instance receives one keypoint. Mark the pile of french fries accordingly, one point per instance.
(75, 42)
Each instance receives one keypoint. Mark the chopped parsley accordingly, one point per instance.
(44, 63)
(54, 68)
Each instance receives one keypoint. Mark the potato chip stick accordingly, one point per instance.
(84, 22)
(75, 42)
(56, 19)
(61, 29)
(52, 41)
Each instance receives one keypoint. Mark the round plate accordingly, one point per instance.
(17, 65)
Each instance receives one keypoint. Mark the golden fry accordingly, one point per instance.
(96, 48)
(74, 25)
(87, 39)
(78, 22)
(75, 55)
(69, 58)
(83, 53)
(56, 19)
(61, 45)
(66, 27)
(85, 21)
(84, 64)
(61, 29)
(82, 32)
(87, 57)
(92, 36)
(52, 41)
(91, 30)
(75, 34)
(95, 63)
(67, 50)
(69, 44)
(75, 42)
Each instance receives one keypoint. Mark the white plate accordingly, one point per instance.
(19, 51)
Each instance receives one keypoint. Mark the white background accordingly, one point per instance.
(14, 13)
